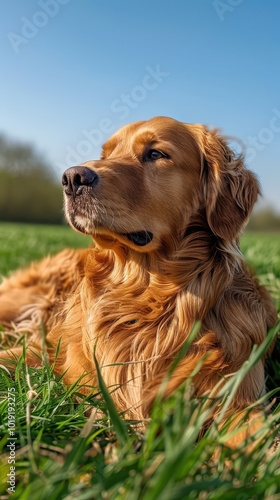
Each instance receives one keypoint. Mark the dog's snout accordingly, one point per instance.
(75, 178)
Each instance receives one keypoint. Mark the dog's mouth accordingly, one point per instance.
(80, 224)
(140, 238)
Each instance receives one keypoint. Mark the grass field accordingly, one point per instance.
(62, 454)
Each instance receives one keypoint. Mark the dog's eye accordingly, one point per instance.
(154, 154)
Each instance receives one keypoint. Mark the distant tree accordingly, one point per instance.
(29, 191)
(265, 219)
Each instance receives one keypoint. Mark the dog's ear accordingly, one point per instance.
(229, 189)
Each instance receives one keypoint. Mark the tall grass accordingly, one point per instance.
(86, 450)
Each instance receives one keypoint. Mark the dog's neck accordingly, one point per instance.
(174, 268)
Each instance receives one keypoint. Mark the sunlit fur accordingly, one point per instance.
(135, 306)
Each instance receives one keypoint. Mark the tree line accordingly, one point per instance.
(264, 219)
(28, 190)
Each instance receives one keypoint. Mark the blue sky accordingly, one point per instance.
(73, 71)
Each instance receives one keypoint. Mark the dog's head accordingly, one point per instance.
(152, 178)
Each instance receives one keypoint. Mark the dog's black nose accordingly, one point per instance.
(75, 178)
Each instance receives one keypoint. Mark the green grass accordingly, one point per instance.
(64, 454)
(22, 243)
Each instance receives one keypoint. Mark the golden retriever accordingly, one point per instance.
(165, 205)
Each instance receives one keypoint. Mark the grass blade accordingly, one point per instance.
(117, 421)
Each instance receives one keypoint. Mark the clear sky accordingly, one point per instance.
(73, 71)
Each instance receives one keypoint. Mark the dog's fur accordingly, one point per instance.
(166, 226)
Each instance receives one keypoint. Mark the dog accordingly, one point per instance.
(165, 205)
